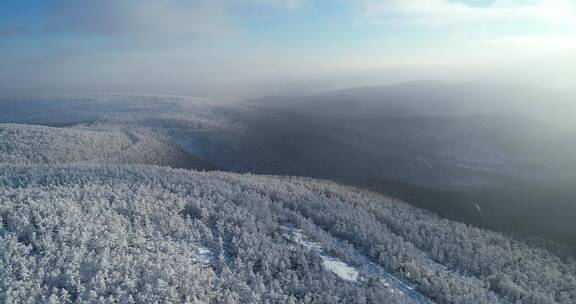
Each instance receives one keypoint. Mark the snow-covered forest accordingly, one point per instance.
(143, 234)
(288, 151)
(26, 144)
(91, 212)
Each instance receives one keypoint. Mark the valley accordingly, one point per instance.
(96, 208)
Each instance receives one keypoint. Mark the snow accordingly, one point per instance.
(204, 254)
(98, 143)
(393, 283)
(134, 218)
(340, 268)
(352, 274)
(301, 239)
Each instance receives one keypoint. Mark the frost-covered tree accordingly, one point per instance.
(133, 234)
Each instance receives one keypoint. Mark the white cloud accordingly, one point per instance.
(536, 42)
(446, 12)
(282, 4)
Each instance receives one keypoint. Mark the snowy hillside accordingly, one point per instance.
(75, 109)
(144, 234)
(205, 128)
(90, 212)
(27, 144)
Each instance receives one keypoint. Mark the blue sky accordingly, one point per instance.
(235, 47)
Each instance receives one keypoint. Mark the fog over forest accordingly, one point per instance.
(294, 151)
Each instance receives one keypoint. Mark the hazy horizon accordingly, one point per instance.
(252, 48)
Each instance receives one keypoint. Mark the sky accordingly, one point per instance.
(239, 48)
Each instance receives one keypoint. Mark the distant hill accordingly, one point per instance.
(444, 146)
(30, 144)
(434, 98)
(204, 130)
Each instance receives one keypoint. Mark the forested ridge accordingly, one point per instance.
(94, 211)
(113, 233)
